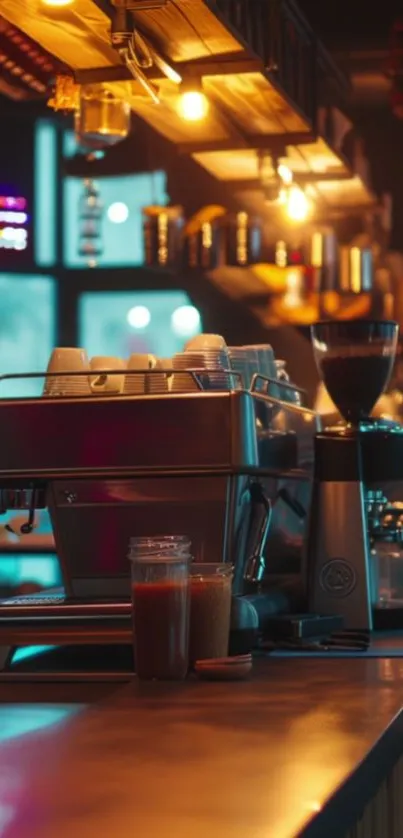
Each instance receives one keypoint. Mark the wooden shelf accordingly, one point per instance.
(260, 63)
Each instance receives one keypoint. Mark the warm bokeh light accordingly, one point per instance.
(193, 105)
(295, 286)
(285, 174)
(297, 204)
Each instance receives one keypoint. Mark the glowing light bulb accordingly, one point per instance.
(193, 105)
(297, 206)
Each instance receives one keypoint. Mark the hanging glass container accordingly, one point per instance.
(102, 118)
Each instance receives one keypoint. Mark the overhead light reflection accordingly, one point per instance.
(57, 3)
(285, 173)
(21, 721)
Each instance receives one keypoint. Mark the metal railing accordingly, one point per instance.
(293, 56)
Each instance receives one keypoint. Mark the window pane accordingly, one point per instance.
(116, 323)
(45, 169)
(29, 568)
(13, 569)
(121, 225)
(27, 330)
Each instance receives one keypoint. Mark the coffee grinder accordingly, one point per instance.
(356, 462)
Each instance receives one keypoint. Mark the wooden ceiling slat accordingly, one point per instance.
(186, 30)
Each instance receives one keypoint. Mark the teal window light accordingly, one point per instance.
(121, 323)
(121, 228)
(27, 330)
(45, 201)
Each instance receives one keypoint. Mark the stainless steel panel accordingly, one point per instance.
(339, 570)
(196, 432)
(93, 522)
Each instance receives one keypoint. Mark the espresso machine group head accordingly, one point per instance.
(353, 462)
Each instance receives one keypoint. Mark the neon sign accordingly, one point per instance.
(13, 223)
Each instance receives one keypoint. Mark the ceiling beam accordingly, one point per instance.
(216, 66)
(268, 142)
(302, 178)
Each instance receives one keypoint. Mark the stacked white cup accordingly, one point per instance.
(135, 378)
(64, 363)
(203, 352)
(105, 382)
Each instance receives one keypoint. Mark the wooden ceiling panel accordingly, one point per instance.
(240, 164)
(345, 193)
(316, 157)
(165, 119)
(258, 107)
(78, 35)
(186, 30)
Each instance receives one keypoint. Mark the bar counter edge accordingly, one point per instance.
(309, 743)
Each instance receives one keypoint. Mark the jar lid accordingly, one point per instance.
(159, 548)
(162, 542)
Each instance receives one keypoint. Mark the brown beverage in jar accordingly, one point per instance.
(210, 611)
(161, 628)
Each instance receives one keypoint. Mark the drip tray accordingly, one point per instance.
(63, 639)
(70, 663)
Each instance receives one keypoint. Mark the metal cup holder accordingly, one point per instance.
(200, 377)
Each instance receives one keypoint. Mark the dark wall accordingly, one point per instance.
(352, 23)
(17, 169)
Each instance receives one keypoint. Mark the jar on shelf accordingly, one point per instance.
(232, 239)
(163, 230)
(102, 118)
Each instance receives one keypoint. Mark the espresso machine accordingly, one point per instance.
(353, 556)
(109, 468)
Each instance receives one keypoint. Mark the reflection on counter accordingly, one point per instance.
(20, 721)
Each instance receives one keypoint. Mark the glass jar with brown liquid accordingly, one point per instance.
(210, 611)
(160, 597)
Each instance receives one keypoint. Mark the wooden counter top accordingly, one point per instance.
(296, 750)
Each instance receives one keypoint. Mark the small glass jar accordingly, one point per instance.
(161, 602)
(210, 611)
(163, 231)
